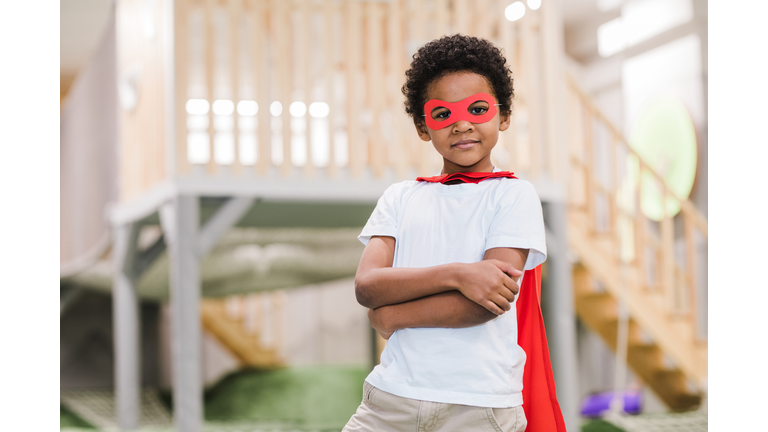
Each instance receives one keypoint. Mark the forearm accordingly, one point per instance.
(379, 287)
(445, 310)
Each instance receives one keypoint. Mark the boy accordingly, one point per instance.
(444, 258)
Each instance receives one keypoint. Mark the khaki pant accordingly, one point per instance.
(382, 411)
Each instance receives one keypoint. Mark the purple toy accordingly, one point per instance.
(598, 404)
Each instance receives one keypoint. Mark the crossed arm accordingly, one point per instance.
(452, 295)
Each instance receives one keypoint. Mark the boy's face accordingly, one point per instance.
(464, 146)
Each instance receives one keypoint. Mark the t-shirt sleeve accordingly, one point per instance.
(519, 223)
(383, 220)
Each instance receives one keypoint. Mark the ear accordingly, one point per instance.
(422, 130)
(506, 120)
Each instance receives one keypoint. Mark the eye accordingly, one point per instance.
(441, 113)
(478, 108)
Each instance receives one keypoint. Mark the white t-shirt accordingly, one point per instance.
(437, 224)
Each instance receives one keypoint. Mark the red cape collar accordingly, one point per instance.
(467, 177)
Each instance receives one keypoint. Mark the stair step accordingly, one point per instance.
(231, 333)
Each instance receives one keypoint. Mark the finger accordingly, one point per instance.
(512, 286)
(509, 269)
(502, 302)
(493, 307)
(507, 292)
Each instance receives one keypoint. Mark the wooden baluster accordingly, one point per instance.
(461, 16)
(530, 88)
(352, 42)
(551, 37)
(442, 9)
(306, 51)
(423, 151)
(209, 10)
(234, 29)
(328, 73)
(375, 78)
(234, 307)
(613, 205)
(396, 69)
(507, 42)
(482, 22)
(277, 317)
(641, 244)
(589, 172)
(667, 254)
(181, 74)
(260, 70)
(284, 29)
(691, 263)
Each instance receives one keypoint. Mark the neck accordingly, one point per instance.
(451, 168)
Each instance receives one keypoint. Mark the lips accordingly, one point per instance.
(465, 144)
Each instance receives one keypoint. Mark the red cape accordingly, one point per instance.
(539, 395)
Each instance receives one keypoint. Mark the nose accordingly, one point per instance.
(463, 126)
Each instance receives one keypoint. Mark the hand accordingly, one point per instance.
(375, 318)
(490, 284)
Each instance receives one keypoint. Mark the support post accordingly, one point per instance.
(125, 315)
(181, 221)
(559, 313)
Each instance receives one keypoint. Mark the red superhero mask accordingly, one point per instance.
(461, 110)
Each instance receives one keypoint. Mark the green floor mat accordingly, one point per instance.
(599, 426)
(321, 397)
(70, 420)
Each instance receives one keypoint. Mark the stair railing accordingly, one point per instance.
(609, 182)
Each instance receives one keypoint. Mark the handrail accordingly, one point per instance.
(687, 206)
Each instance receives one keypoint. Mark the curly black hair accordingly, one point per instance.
(457, 53)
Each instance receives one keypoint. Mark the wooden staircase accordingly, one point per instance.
(236, 323)
(653, 265)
